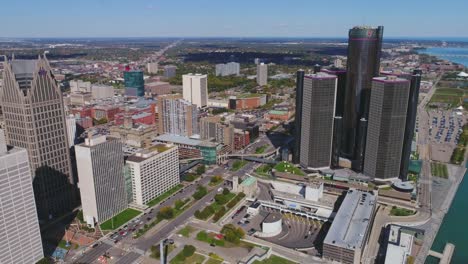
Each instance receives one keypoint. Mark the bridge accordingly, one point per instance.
(184, 168)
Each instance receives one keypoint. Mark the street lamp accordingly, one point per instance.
(163, 243)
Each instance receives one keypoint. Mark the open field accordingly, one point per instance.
(452, 96)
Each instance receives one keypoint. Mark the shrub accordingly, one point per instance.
(166, 212)
(219, 214)
(188, 250)
(178, 204)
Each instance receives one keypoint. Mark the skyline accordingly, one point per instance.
(141, 18)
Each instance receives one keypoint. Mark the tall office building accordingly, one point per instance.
(170, 71)
(318, 112)
(231, 68)
(19, 225)
(177, 116)
(153, 172)
(134, 82)
(71, 130)
(410, 122)
(35, 120)
(195, 89)
(337, 135)
(152, 67)
(100, 163)
(298, 116)
(340, 88)
(262, 74)
(385, 132)
(364, 50)
(213, 128)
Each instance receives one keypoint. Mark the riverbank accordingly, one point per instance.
(456, 55)
(452, 229)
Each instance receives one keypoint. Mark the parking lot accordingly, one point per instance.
(445, 127)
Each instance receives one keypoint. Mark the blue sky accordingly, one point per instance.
(243, 18)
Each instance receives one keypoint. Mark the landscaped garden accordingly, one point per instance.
(397, 211)
(288, 168)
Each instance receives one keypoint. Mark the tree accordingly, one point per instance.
(188, 250)
(201, 191)
(232, 234)
(216, 179)
(166, 212)
(226, 191)
(201, 169)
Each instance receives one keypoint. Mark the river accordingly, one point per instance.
(457, 55)
(453, 228)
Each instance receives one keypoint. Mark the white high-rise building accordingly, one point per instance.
(100, 163)
(231, 68)
(102, 91)
(71, 129)
(195, 89)
(262, 74)
(80, 86)
(19, 225)
(153, 172)
(152, 67)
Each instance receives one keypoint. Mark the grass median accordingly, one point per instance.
(163, 196)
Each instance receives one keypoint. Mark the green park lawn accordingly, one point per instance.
(439, 170)
(120, 219)
(288, 168)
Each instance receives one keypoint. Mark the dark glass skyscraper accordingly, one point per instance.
(364, 50)
(134, 83)
(410, 122)
(318, 112)
(298, 115)
(385, 133)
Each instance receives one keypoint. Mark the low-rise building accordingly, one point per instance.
(247, 101)
(350, 228)
(247, 186)
(102, 91)
(280, 115)
(153, 171)
(80, 98)
(138, 135)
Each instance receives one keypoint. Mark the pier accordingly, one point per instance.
(446, 256)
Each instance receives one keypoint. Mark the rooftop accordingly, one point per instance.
(249, 181)
(145, 154)
(272, 217)
(178, 139)
(352, 220)
(390, 79)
